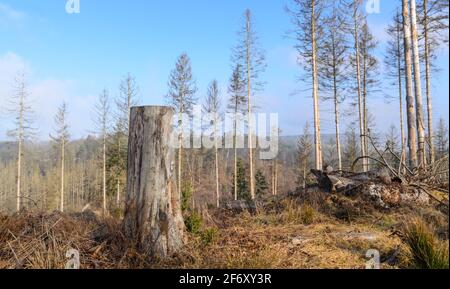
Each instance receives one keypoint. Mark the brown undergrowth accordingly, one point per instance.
(312, 231)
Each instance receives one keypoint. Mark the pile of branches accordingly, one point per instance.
(425, 179)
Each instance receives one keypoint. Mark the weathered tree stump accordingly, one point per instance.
(153, 219)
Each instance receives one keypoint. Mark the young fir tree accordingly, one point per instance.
(242, 188)
(261, 185)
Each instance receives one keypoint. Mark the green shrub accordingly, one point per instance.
(186, 196)
(208, 236)
(427, 252)
(193, 223)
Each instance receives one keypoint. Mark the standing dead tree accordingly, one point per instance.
(23, 129)
(333, 71)
(433, 22)
(61, 139)
(153, 219)
(102, 123)
(128, 97)
(236, 106)
(418, 86)
(306, 18)
(250, 56)
(395, 64)
(410, 113)
(181, 97)
(212, 107)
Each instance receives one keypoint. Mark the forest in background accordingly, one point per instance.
(338, 55)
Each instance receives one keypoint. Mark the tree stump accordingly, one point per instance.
(153, 219)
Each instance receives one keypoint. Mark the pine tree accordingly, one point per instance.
(307, 19)
(23, 130)
(261, 185)
(181, 97)
(242, 184)
(237, 105)
(212, 106)
(334, 70)
(102, 110)
(61, 139)
(304, 149)
(394, 62)
(251, 58)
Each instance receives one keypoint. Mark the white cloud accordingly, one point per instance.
(46, 95)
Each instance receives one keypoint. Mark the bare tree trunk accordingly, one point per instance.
(400, 94)
(317, 133)
(336, 108)
(418, 87)
(19, 174)
(61, 197)
(180, 155)
(358, 80)
(235, 171)
(274, 177)
(428, 83)
(412, 130)
(153, 217)
(104, 174)
(250, 124)
(217, 164)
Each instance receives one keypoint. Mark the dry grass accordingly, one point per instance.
(426, 250)
(306, 232)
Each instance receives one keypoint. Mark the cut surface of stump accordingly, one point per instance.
(153, 219)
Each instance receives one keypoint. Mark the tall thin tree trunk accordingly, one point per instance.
(180, 152)
(358, 80)
(317, 133)
(400, 94)
(104, 174)
(235, 154)
(217, 164)
(428, 83)
(412, 130)
(61, 205)
(250, 124)
(418, 87)
(19, 174)
(336, 108)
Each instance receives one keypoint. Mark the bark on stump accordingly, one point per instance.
(153, 219)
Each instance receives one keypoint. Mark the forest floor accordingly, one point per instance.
(314, 231)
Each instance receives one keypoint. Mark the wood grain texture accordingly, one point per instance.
(153, 217)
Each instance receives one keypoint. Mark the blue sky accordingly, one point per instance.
(73, 57)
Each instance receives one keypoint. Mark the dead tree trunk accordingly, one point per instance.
(153, 219)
